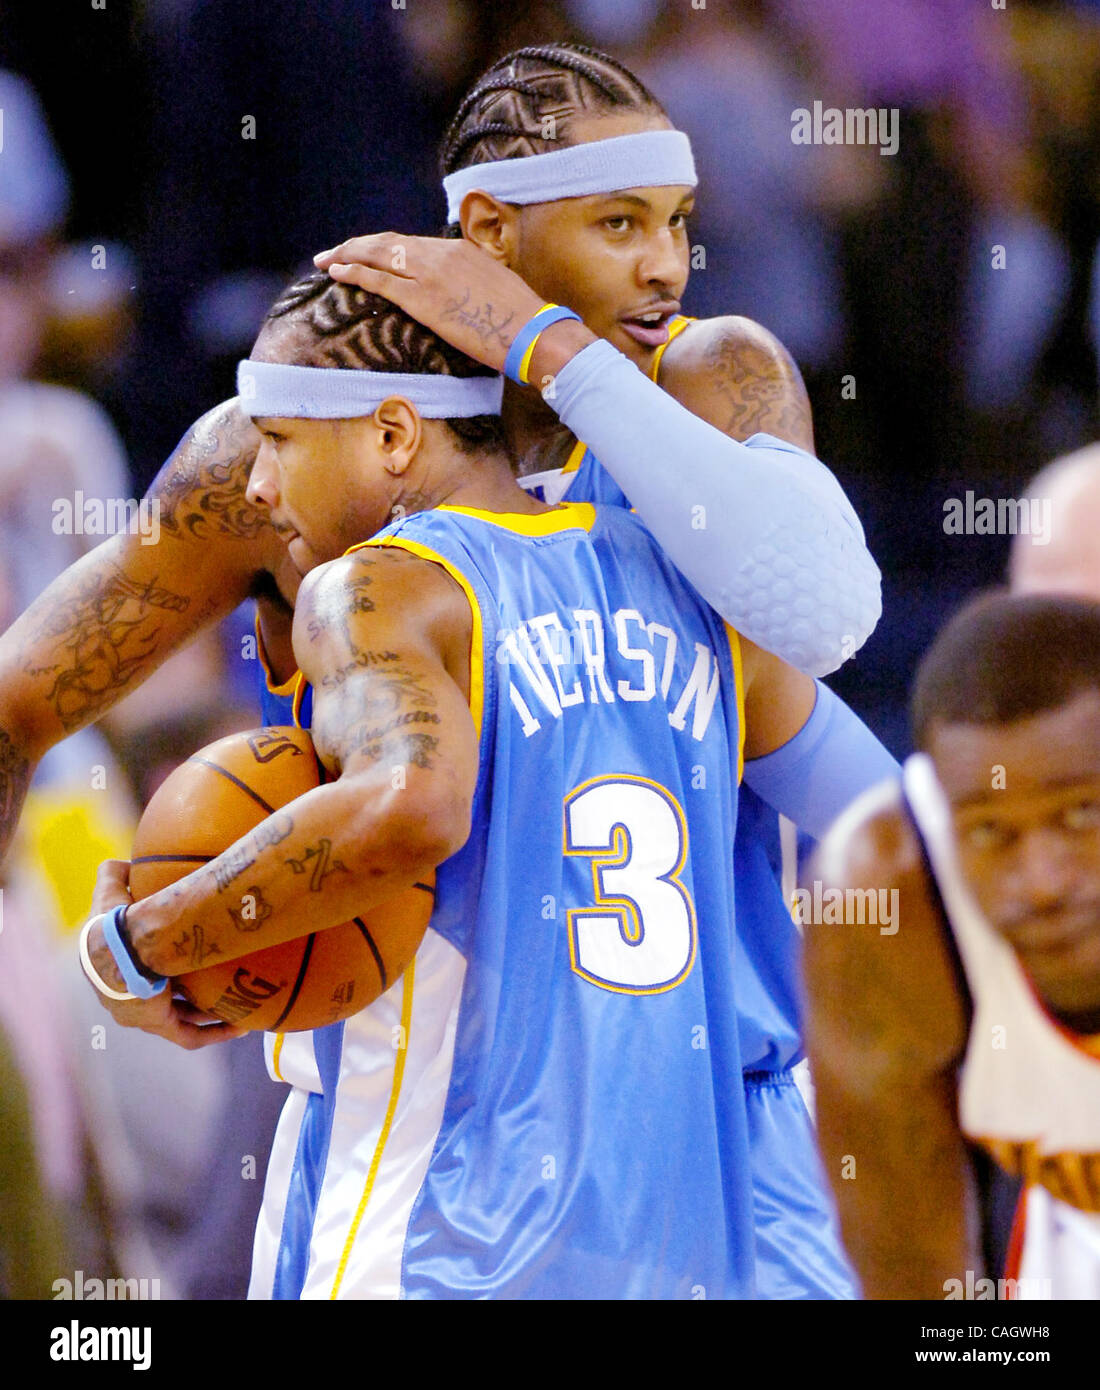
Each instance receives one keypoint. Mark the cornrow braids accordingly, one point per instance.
(348, 327)
(501, 116)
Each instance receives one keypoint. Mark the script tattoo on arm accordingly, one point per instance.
(379, 701)
(393, 712)
(106, 631)
(233, 863)
(480, 319)
(202, 490)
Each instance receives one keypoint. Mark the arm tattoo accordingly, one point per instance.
(230, 865)
(323, 864)
(106, 632)
(381, 716)
(361, 662)
(194, 948)
(415, 749)
(479, 319)
(204, 492)
(15, 776)
(758, 394)
(253, 912)
(359, 601)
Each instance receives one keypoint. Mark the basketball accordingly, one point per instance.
(205, 805)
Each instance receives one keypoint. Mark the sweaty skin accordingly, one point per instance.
(886, 1031)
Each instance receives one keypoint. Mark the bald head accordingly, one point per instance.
(1070, 562)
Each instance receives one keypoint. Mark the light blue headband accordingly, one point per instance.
(336, 393)
(649, 159)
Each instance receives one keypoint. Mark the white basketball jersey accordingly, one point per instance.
(1029, 1090)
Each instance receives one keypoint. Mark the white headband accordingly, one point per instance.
(648, 159)
(336, 393)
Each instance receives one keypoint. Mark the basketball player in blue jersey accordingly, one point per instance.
(98, 632)
(588, 243)
(975, 1027)
(549, 1102)
(106, 624)
(459, 291)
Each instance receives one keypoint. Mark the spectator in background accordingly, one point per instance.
(113, 1132)
(244, 153)
(1069, 563)
(941, 63)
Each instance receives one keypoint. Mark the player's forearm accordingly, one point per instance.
(17, 764)
(328, 856)
(762, 530)
(903, 1185)
(111, 618)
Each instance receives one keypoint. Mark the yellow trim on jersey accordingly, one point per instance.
(675, 328)
(287, 687)
(477, 662)
(276, 1053)
(573, 462)
(379, 1148)
(569, 516)
(739, 685)
(300, 686)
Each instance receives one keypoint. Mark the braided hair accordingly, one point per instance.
(348, 327)
(502, 115)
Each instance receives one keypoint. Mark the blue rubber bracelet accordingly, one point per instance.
(136, 982)
(527, 335)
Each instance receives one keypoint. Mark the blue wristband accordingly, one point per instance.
(136, 982)
(519, 354)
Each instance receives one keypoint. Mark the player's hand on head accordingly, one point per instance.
(451, 286)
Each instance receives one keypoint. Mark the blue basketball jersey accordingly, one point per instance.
(767, 983)
(590, 1138)
(593, 1142)
(286, 704)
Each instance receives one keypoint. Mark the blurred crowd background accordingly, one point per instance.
(144, 231)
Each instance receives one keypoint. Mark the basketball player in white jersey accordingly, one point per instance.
(972, 1025)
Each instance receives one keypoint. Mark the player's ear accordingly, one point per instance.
(400, 433)
(489, 224)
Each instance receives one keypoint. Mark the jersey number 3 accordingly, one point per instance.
(640, 936)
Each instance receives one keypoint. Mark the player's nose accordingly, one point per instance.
(262, 490)
(1044, 867)
(661, 263)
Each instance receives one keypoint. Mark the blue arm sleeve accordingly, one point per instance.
(762, 530)
(818, 773)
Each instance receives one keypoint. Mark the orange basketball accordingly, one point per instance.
(205, 805)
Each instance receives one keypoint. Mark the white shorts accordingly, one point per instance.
(356, 1137)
